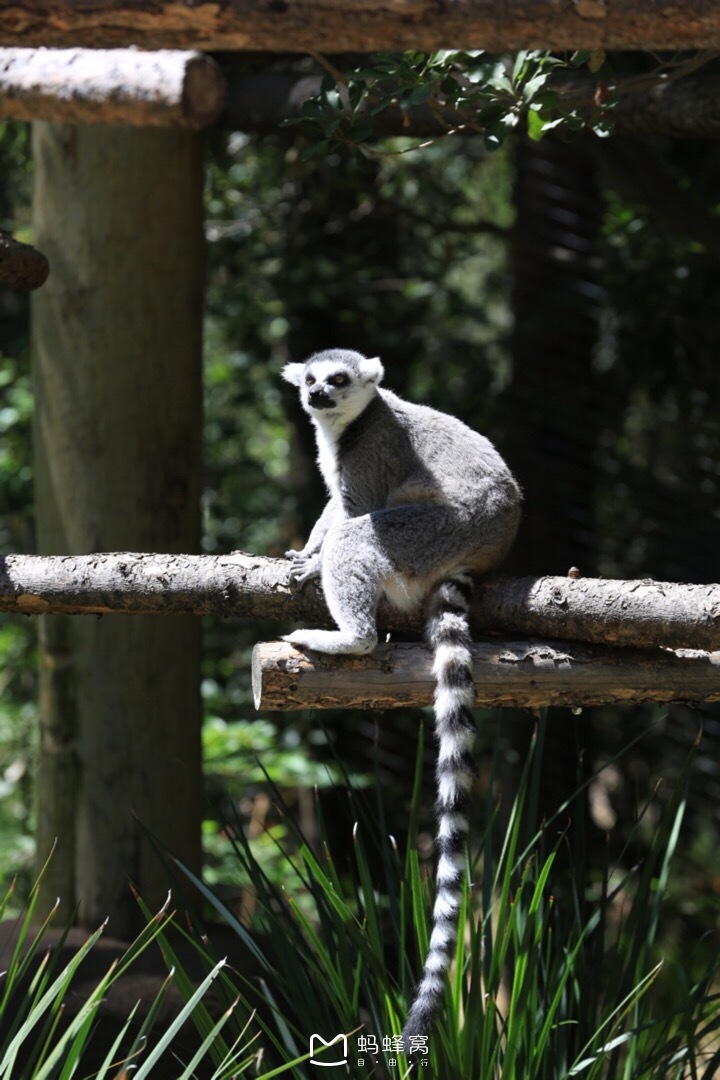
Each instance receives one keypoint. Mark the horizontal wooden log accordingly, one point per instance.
(364, 25)
(111, 86)
(526, 674)
(21, 265)
(639, 613)
(601, 610)
(133, 583)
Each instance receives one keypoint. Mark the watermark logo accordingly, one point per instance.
(317, 1041)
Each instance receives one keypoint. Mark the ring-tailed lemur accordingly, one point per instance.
(418, 503)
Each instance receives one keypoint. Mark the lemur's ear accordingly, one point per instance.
(293, 373)
(371, 370)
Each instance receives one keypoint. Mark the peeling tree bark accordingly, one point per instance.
(628, 613)
(118, 86)
(519, 674)
(368, 25)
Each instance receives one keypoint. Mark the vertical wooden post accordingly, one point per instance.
(116, 346)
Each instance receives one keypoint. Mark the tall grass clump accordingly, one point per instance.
(50, 1021)
(557, 971)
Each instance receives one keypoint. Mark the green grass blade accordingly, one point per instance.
(112, 1059)
(205, 1050)
(184, 1014)
(51, 1000)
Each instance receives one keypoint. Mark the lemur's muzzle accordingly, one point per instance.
(318, 399)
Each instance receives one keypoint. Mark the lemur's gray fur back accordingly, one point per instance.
(418, 502)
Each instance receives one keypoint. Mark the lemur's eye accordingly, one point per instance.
(309, 380)
(338, 380)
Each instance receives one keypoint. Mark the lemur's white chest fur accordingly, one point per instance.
(327, 435)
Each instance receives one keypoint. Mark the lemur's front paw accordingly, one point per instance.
(304, 567)
(331, 641)
(303, 639)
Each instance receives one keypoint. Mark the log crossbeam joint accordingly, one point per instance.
(566, 640)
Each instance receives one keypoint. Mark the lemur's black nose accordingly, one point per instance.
(320, 398)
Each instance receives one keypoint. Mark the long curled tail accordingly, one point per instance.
(448, 632)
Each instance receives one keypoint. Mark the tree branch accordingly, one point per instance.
(386, 25)
(628, 613)
(520, 674)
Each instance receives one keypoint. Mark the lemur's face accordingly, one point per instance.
(326, 385)
(333, 387)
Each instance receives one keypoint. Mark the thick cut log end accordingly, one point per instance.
(286, 678)
(204, 91)
(166, 88)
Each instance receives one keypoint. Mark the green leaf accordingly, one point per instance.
(314, 150)
(531, 87)
(360, 132)
(328, 85)
(417, 96)
(535, 125)
(357, 92)
(313, 109)
(501, 83)
(519, 64)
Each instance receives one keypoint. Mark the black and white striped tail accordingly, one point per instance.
(448, 632)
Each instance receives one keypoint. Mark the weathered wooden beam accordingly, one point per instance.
(111, 86)
(364, 25)
(526, 674)
(21, 265)
(629, 613)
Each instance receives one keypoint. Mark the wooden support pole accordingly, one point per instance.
(116, 351)
(517, 673)
(365, 25)
(111, 86)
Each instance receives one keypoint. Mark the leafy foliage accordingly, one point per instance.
(476, 93)
(472, 92)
